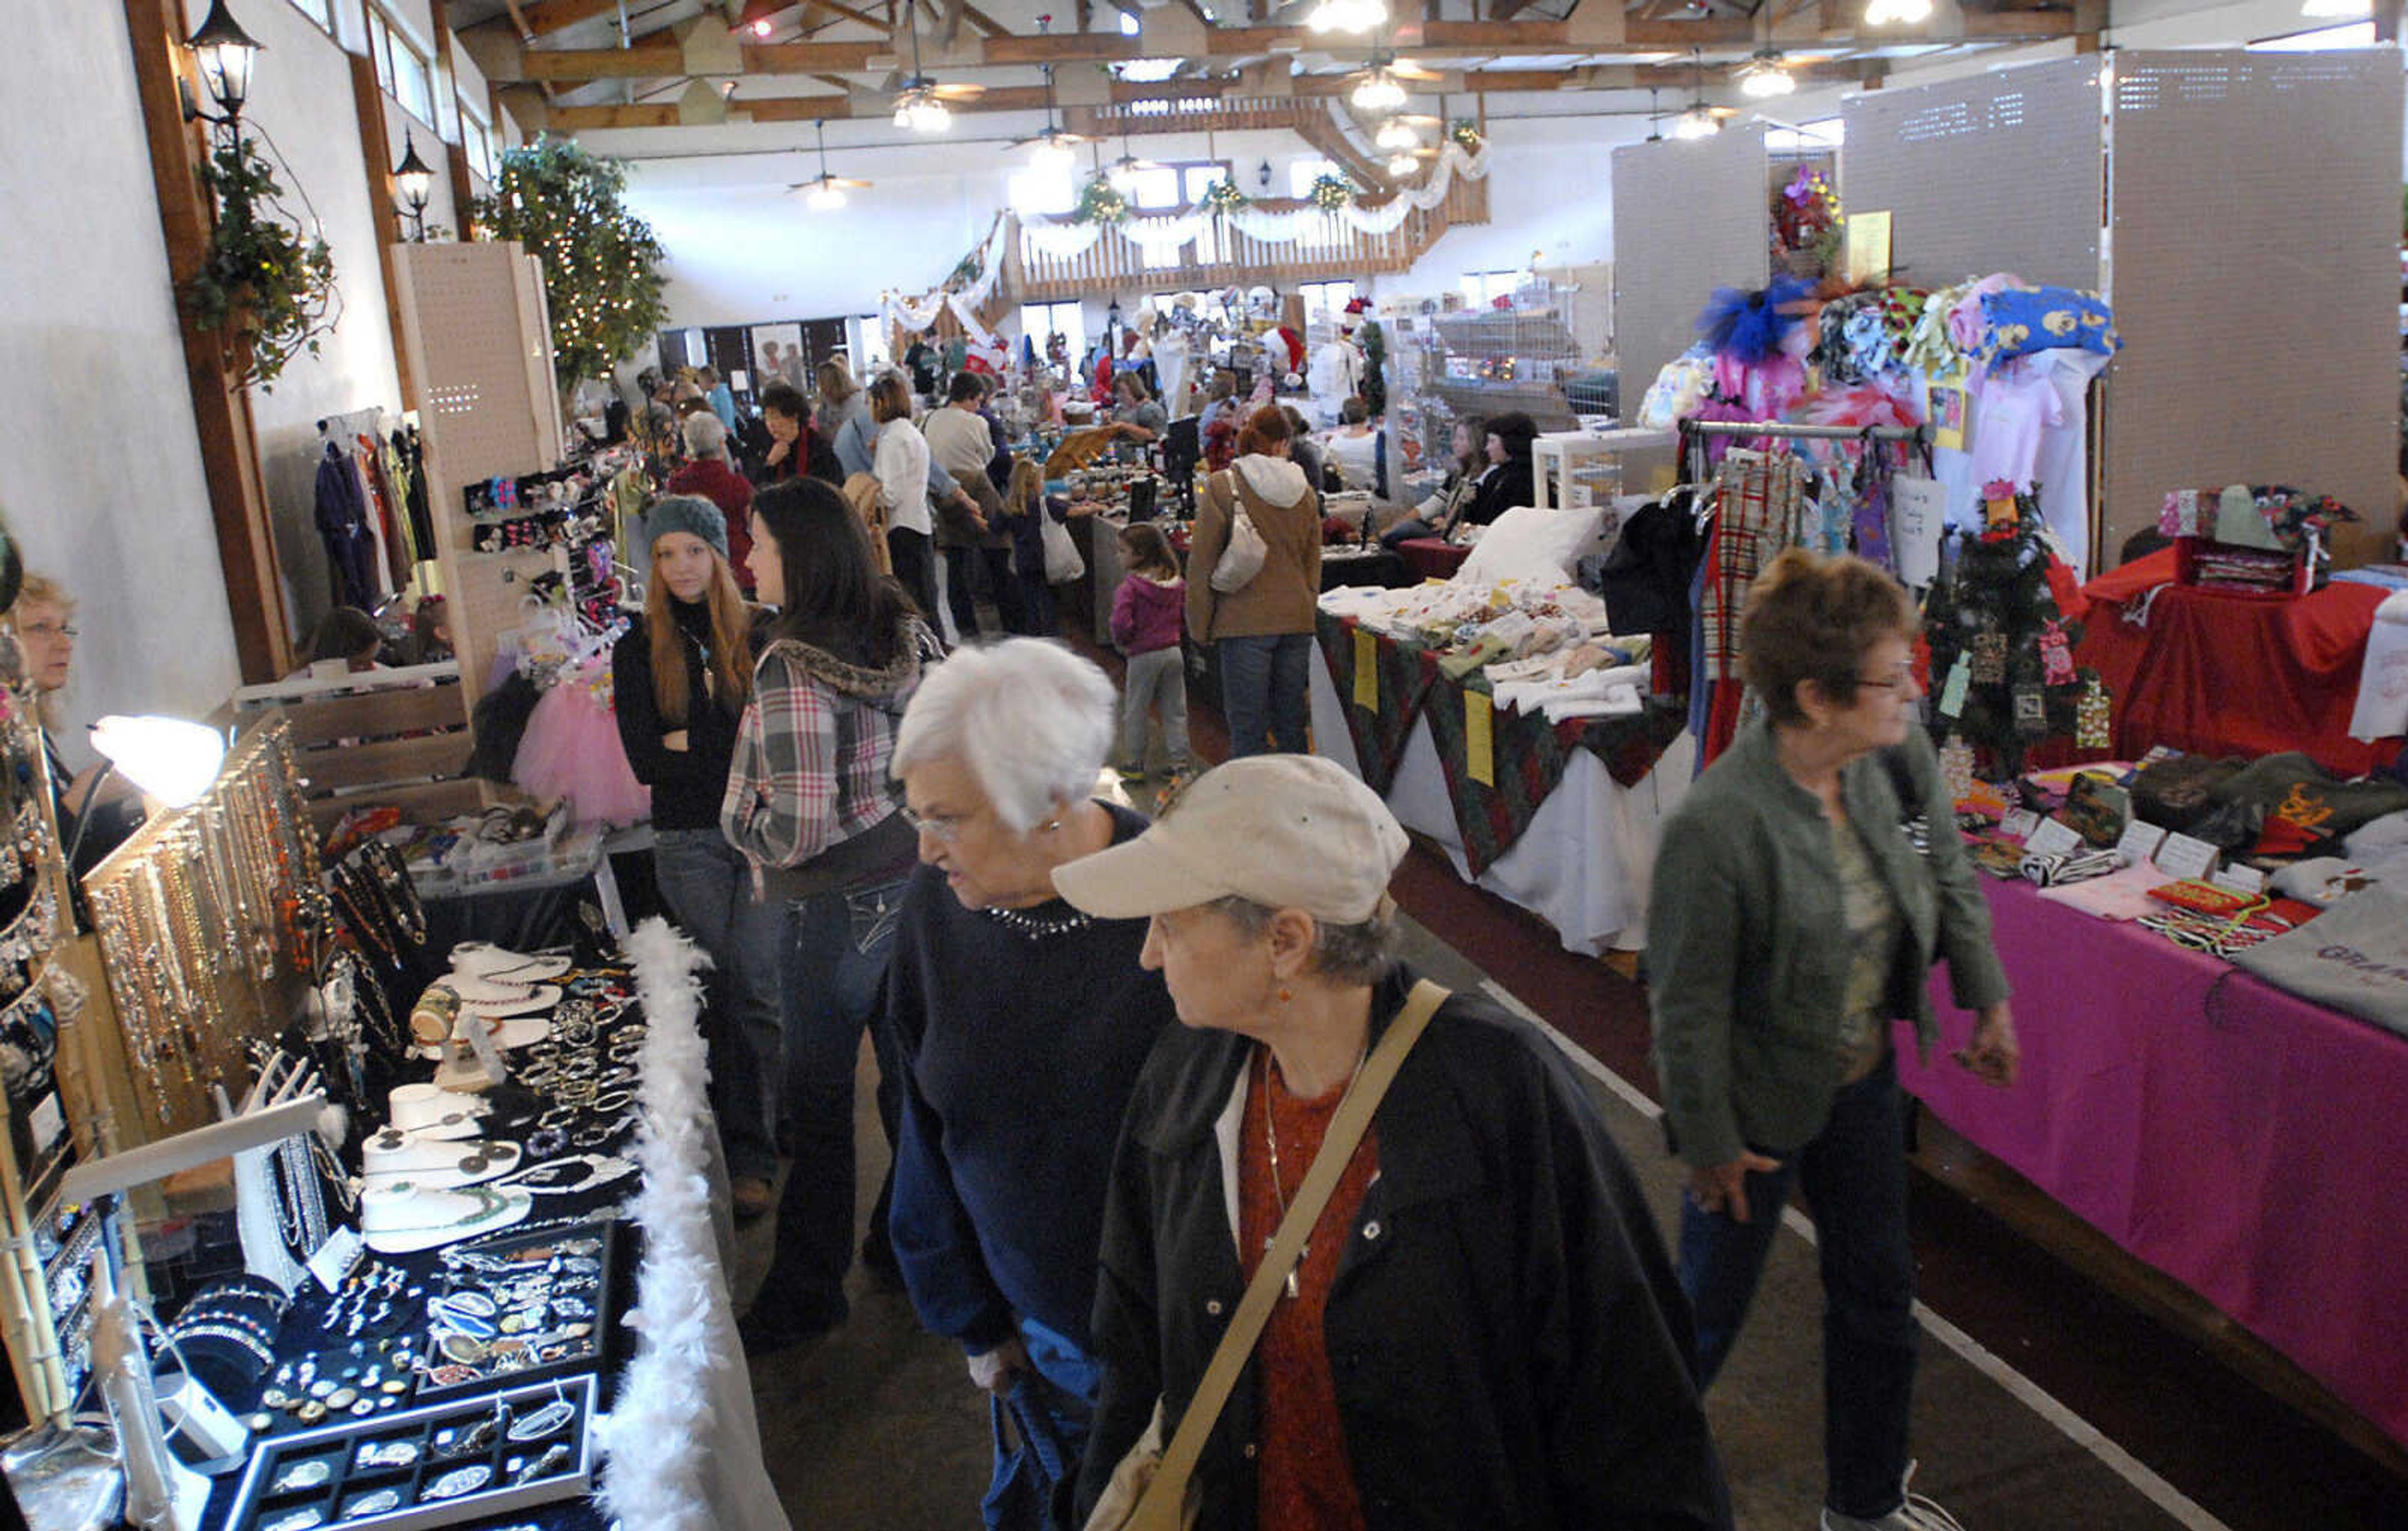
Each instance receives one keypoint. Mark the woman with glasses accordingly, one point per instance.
(1022, 1024)
(1797, 909)
(808, 805)
(43, 619)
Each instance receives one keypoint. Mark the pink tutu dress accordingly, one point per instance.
(571, 750)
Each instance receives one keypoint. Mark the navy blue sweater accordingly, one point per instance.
(1020, 1056)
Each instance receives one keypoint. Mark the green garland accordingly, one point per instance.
(601, 264)
(265, 289)
(1224, 196)
(1467, 133)
(1100, 202)
(1330, 193)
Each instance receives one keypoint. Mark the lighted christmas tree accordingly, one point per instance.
(601, 264)
(2002, 670)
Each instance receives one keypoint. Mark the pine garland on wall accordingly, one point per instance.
(601, 264)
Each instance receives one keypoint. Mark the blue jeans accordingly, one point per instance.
(1855, 1176)
(707, 886)
(1263, 696)
(1061, 1396)
(835, 979)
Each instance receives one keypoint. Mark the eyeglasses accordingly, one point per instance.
(48, 630)
(936, 826)
(1897, 679)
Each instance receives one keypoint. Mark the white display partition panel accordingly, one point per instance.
(1690, 216)
(479, 345)
(2257, 241)
(1991, 172)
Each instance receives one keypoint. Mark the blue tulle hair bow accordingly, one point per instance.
(1750, 327)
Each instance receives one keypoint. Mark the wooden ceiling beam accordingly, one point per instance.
(1439, 39)
(544, 16)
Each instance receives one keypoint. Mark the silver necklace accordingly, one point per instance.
(1270, 1137)
(1034, 927)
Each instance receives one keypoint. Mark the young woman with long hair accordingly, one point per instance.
(1262, 632)
(810, 804)
(679, 681)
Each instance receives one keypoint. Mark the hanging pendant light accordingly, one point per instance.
(1347, 16)
(1766, 76)
(1377, 92)
(1396, 135)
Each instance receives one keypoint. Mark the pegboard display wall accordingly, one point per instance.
(1688, 216)
(480, 344)
(2257, 230)
(1993, 172)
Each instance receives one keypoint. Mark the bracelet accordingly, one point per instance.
(250, 1344)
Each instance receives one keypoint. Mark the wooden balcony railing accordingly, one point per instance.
(1222, 257)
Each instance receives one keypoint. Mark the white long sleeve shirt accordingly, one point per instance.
(902, 469)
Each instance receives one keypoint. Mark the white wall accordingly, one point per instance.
(743, 249)
(303, 101)
(100, 467)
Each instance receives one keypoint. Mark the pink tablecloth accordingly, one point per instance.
(2248, 1143)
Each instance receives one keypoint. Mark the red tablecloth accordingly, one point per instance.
(1432, 558)
(2242, 1141)
(2233, 674)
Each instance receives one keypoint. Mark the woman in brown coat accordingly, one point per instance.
(1262, 632)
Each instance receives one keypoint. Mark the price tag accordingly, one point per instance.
(2140, 843)
(480, 1043)
(1478, 747)
(1366, 670)
(1918, 508)
(1951, 692)
(2181, 856)
(2018, 824)
(2054, 839)
(337, 1258)
(2241, 880)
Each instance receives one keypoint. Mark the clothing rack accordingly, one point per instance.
(1694, 433)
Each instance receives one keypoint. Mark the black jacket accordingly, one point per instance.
(1501, 490)
(1509, 1347)
(687, 784)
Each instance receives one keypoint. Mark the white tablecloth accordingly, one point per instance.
(1584, 863)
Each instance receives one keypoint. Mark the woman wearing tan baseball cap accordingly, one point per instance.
(1482, 1324)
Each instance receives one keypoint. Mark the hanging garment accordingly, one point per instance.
(421, 520)
(393, 566)
(341, 515)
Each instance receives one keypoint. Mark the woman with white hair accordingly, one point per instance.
(1021, 1023)
(710, 473)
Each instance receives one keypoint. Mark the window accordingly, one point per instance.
(1128, 24)
(1820, 136)
(1039, 319)
(401, 68)
(1324, 299)
(316, 10)
(476, 140)
(1482, 288)
(1153, 188)
(1302, 174)
(1200, 179)
(1034, 190)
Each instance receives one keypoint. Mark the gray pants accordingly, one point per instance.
(1156, 680)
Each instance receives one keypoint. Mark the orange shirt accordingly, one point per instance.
(1304, 1481)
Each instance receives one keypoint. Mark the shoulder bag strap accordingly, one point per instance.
(1164, 1498)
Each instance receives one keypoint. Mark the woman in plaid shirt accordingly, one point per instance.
(808, 804)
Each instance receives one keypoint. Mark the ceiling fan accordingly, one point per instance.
(824, 193)
(1055, 144)
(1379, 86)
(919, 100)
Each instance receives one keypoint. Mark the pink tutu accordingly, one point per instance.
(571, 750)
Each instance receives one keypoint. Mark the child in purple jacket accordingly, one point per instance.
(1146, 615)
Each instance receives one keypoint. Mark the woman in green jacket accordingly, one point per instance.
(1794, 919)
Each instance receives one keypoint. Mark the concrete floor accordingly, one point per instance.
(878, 1426)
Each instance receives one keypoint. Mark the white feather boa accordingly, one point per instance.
(681, 1447)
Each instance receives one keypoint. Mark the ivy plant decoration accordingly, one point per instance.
(1100, 202)
(1223, 196)
(1467, 133)
(601, 264)
(1330, 193)
(265, 289)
